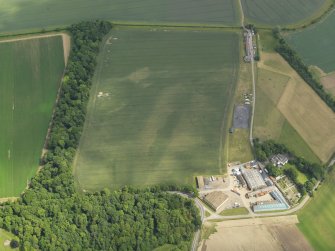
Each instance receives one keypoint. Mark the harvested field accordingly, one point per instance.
(28, 92)
(312, 49)
(291, 108)
(274, 12)
(157, 108)
(328, 83)
(311, 117)
(275, 233)
(35, 14)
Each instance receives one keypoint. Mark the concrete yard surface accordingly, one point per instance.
(258, 234)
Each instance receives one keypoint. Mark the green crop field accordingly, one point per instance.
(36, 14)
(317, 219)
(274, 12)
(316, 44)
(30, 74)
(157, 108)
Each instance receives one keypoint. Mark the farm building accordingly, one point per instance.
(253, 178)
(269, 206)
(200, 182)
(241, 180)
(215, 199)
(278, 204)
(279, 160)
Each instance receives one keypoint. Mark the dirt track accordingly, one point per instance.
(273, 233)
(66, 41)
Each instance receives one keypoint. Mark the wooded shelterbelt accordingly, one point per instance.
(52, 215)
(298, 65)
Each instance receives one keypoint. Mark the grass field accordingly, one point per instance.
(274, 12)
(289, 111)
(312, 49)
(237, 147)
(36, 14)
(28, 92)
(162, 121)
(235, 211)
(6, 236)
(317, 219)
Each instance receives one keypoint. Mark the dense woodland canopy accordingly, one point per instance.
(51, 215)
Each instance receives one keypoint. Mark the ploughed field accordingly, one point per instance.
(157, 107)
(30, 74)
(274, 12)
(35, 14)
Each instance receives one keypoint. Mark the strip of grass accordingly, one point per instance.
(238, 144)
(317, 219)
(168, 93)
(30, 73)
(235, 211)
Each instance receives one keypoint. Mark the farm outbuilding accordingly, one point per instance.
(215, 199)
(241, 180)
(253, 178)
(200, 182)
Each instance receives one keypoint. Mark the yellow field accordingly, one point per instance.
(328, 82)
(291, 99)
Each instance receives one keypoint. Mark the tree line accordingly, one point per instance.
(298, 65)
(52, 215)
(314, 171)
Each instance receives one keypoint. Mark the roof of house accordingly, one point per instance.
(216, 199)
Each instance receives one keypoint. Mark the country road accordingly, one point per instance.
(251, 48)
(253, 92)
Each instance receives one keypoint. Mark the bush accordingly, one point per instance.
(14, 244)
